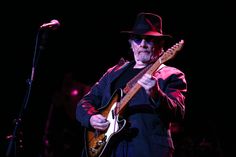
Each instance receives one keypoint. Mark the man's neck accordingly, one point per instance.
(139, 65)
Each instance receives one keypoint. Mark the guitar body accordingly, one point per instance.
(98, 142)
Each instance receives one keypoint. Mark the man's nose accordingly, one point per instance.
(143, 43)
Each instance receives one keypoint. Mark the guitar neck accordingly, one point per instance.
(170, 53)
(120, 108)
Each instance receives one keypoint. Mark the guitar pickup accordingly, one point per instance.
(113, 114)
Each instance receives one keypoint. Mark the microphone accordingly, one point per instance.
(54, 24)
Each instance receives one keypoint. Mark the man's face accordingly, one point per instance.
(144, 48)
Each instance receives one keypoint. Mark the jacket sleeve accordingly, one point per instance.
(170, 93)
(91, 102)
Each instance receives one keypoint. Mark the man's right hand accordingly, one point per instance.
(99, 122)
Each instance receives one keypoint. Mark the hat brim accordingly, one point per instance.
(149, 33)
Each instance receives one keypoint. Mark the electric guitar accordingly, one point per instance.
(97, 143)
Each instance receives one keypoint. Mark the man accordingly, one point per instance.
(139, 127)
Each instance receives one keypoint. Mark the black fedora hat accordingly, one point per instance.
(148, 24)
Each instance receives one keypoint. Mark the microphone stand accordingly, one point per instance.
(12, 146)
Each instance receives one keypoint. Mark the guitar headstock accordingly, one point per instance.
(171, 52)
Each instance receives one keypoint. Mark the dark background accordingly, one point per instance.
(87, 42)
